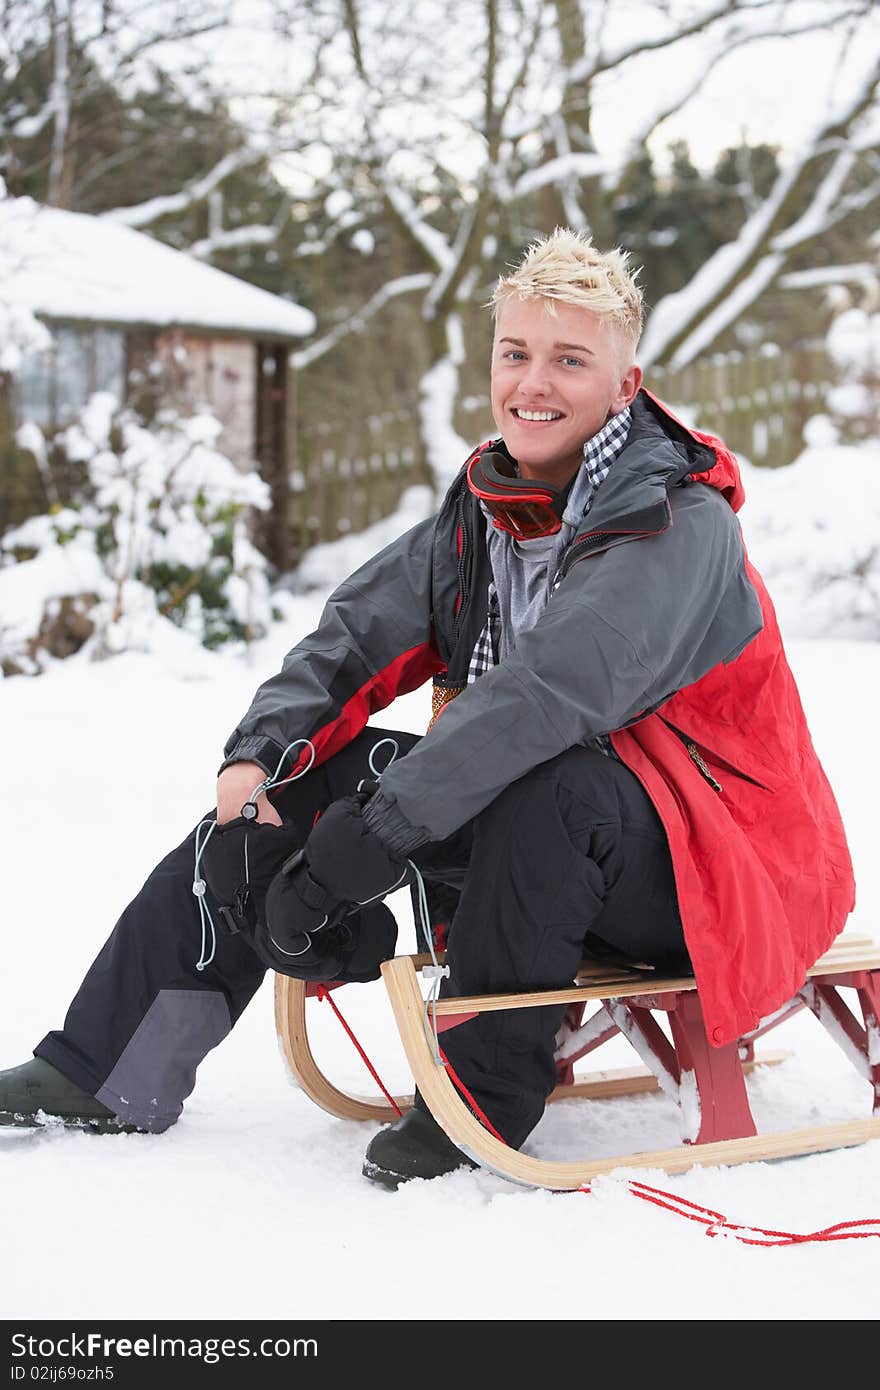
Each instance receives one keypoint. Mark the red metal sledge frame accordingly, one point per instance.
(707, 1083)
(688, 1068)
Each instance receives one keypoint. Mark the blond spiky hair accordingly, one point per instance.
(568, 268)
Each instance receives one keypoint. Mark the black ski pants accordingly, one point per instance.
(573, 850)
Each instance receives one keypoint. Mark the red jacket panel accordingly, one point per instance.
(763, 871)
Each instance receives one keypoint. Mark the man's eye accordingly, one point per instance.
(573, 361)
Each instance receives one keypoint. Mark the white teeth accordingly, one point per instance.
(538, 414)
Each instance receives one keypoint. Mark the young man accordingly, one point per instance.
(625, 762)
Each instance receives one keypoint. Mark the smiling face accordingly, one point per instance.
(556, 379)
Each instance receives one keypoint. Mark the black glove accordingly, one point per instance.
(323, 906)
(257, 874)
(239, 860)
(348, 859)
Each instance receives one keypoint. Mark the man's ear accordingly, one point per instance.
(628, 389)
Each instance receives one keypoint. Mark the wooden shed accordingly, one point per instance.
(130, 315)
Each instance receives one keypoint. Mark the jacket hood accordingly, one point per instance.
(721, 470)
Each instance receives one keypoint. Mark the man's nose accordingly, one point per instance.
(535, 380)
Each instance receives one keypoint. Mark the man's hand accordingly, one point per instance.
(234, 787)
(348, 859)
(341, 866)
(324, 917)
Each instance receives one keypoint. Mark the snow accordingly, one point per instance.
(253, 1206)
(323, 565)
(67, 265)
(816, 544)
(438, 390)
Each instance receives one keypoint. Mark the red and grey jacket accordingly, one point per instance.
(659, 634)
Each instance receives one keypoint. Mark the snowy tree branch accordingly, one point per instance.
(588, 68)
(427, 237)
(27, 127)
(143, 214)
(829, 206)
(859, 273)
(405, 284)
(233, 240)
(738, 272)
(734, 304)
(565, 166)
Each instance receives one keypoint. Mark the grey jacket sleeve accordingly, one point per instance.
(373, 642)
(624, 630)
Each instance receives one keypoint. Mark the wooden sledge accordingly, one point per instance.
(708, 1083)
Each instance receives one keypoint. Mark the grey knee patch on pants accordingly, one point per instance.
(157, 1070)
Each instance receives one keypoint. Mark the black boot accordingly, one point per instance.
(36, 1094)
(413, 1147)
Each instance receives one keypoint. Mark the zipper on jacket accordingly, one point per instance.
(462, 563)
(580, 549)
(596, 541)
(693, 751)
(696, 759)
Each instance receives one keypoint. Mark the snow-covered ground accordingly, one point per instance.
(253, 1206)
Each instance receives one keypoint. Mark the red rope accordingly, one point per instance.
(717, 1224)
(483, 1118)
(324, 993)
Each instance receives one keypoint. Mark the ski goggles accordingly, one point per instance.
(524, 507)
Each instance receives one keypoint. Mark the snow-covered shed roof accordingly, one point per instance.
(72, 266)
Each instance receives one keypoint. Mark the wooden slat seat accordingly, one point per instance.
(860, 953)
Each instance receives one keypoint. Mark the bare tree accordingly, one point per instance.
(460, 118)
(82, 47)
(469, 126)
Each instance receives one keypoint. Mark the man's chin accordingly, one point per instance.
(550, 464)
(532, 452)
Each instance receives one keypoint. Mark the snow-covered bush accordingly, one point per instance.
(854, 345)
(20, 333)
(156, 534)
